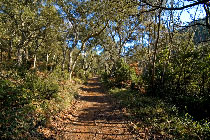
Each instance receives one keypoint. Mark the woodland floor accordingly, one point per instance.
(93, 116)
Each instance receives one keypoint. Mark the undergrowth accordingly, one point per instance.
(28, 99)
(160, 118)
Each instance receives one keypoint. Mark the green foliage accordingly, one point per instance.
(106, 79)
(83, 75)
(57, 74)
(15, 109)
(160, 117)
(182, 75)
(42, 88)
(176, 69)
(122, 75)
(27, 102)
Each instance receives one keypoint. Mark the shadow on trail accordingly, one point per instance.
(95, 116)
(103, 109)
(95, 89)
(93, 86)
(103, 113)
(98, 99)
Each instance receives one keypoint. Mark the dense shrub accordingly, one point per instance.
(183, 78)
(159, 117)
(83, 75)
(27, 102)
(106, 79)
(16, 109)
(121, 75)
(57, 74)
(42, 88)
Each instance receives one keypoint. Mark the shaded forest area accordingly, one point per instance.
(156, 67)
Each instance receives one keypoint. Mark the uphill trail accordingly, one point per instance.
(93, 116)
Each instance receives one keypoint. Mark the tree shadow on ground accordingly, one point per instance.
(95, 89)
(103, 108)
(99, 117)
(97, 99)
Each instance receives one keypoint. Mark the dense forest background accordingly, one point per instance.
(156, 66)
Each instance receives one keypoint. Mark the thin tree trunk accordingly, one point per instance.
(155, 53)
(203, 75)
(54, 60)
(84, 64)
(1, 55)
(26, 54)
(149, 45)
(34, 66)
(120, 47)
(70, 64)
(64, 58)
(9, 50)
(47, 60)
(20, 57)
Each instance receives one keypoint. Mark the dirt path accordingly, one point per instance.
(92, 117)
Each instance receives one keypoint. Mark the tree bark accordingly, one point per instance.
(64, 57)
(70, 64)
(47, 58)
(34, 65)
(1, 55)
(9, 50)
(26, 54)
(155, 53)
(149, 45)
(20, 56)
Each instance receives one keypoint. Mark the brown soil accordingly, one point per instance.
(93, 116)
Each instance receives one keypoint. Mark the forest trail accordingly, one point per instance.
(93, 116)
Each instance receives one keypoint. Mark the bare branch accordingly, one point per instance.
(178, 8)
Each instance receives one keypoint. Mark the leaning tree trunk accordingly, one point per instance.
(72, 64)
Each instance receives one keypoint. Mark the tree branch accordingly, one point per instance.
(178, 8)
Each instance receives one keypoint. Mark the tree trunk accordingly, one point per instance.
(149, 45)
(26, 54)
(64, 58)
(155, 53)
(20, 56)
(1, 55)
(47, 60)
(72, 69)
(84, 66)
(9, 54)
(10, 50)
(52, 66)
(73, 63)
(70, 65)
(34, 66)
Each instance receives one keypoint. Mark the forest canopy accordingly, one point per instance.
(135, 44)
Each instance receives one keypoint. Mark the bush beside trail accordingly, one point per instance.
(158, 118)
(169, 115)
(29, 99)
